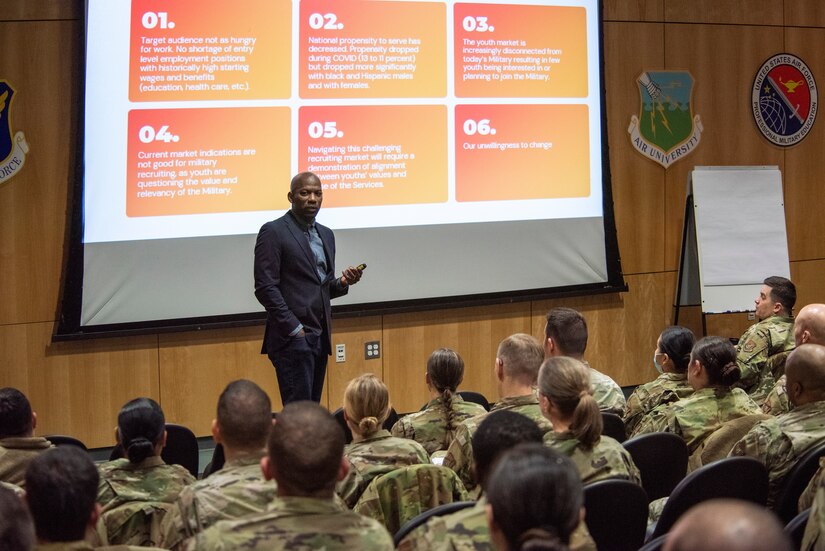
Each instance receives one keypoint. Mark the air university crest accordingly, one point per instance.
(13, 147)
(666, 129)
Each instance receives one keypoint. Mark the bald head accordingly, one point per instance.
(809, 325)
(805, 369)
(727, 525)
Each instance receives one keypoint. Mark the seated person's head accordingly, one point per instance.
(518, 359)
(566, 399)
(777, 297)
(16, 416)
(673, 348)
(534, 499)
(805, 369)
(445, 371)
(61, 489)
(727, 525)
(713, 364)
(141, 429)
(244, 416)
(498, 432)
(306, 451)
(809, 325)
(16, 530)
(366, 404)
(565, 333)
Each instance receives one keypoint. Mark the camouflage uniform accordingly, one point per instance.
(429, 427)
(757, 345)
(467, 529)
(607, 458)
(235, 491)
(807, 497)
(15, 455)
(697, 416)
(82, 545)
(777, 401)
(664, 389)
(374, 456)
(296, 523)
(779, 442)
(816, 520)
(460, 453)
(136, 497)
(607, 393)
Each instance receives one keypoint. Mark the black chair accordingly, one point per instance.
(797, 479)
(742, 478)
(216, 463)
(475, 397)
(181, 448)
(655, 544)
(662, 459)
(795, 529)
(61, 440)
(441, 510)
(392, 419)
(616, 514)
(613, 427)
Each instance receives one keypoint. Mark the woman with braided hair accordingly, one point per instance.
(566, 400)
(434, 426)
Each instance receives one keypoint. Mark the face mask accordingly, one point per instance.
(657, 364)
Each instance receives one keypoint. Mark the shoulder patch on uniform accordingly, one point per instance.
(749, 346)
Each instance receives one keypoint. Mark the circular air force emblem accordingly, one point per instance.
(784, 99)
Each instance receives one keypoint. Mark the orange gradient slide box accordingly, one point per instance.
(388, 28)
(208, 63)
(547, 29)
(489, 169)
(355, 164)
(224, 160)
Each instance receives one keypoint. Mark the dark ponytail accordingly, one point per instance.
(446, 370)
(718, 357)
(677, 341)
(141, 425)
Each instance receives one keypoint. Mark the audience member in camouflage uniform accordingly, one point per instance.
(434, 427)
(373, 451)
(772, 334)
(671, 359)
(241, 426)
(780, 441)
(566, 399)
(727, 525)
(467, 529)
(711, 373)
(305, 458)
(808, 327)
(18, 445)
(516, 367)
(132, 486)
(565, 334)
(16, 530)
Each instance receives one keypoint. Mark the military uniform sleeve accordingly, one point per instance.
(634, 414)
(751, 357)
(816, 521)
(777, 401)
(402, 429)
(807, 498)
(659, 420)
(351, 487)
(460, 457)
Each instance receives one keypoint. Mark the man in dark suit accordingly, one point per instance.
(295, 280)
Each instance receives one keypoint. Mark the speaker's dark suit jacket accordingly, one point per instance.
(288, 286)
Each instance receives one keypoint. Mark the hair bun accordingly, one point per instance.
(543, 534)
(368, 424)
(139, 448)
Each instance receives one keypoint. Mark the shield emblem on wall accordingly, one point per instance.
(666, 128)
(13, 147)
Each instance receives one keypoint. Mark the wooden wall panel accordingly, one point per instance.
(810, 285)
(196, 367)
(805, 13)
(638, 184)
(34, 10)
(723, 61)
(740, 12)
(353, 333)
(633, 10)
(475, 333)
(805, 163)
(77, 388)
(33, 203)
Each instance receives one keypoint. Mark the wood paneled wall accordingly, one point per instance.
(77, 388)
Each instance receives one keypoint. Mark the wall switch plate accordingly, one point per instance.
(340, 353)
(751, 316)
(372, 350)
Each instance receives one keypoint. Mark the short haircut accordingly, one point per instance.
(140, 424)
(497, 433)
(244, 415)
(301, 178)
(61, 489)
(783, 291)
(306, 445)
(568, 329)
(15, 413)
(521, 355)
(806, 366)
(367, 403)
(16, 530)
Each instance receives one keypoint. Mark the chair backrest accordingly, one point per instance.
(797, 479)
(61, 440)
(475, 397)
(743, 478)
(616, 514)
(656, 544)
(392, 419)
(795, 529)
(721, 441)
(135, 523)
(439, 511)
(613, 427)
(181, 448)
(662, 459)
(216, 463)
(400, 495)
